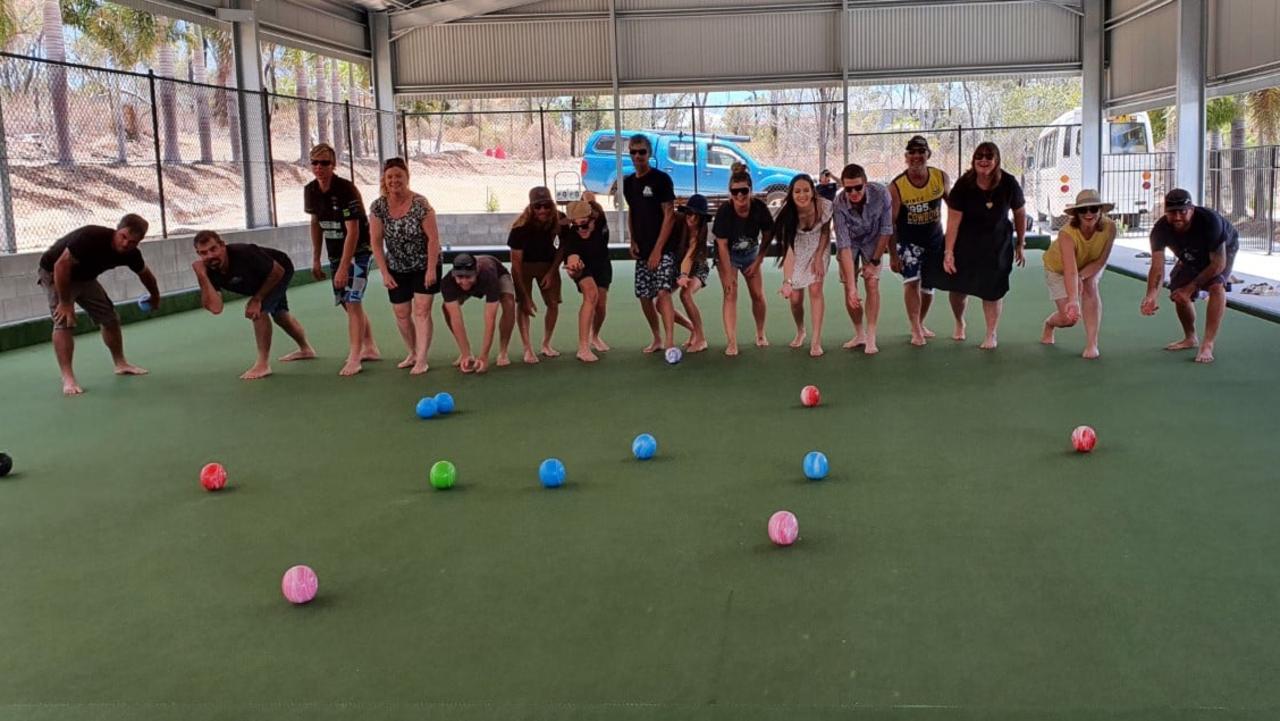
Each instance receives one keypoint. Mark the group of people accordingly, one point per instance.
(673, 245)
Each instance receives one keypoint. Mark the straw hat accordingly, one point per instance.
(1086, 198)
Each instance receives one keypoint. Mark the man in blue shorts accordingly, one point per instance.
(1205, 244)
(338, 221)
(263, 274)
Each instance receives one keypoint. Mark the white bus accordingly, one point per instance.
(1053, 168)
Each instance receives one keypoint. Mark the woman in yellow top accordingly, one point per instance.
(1073, 264)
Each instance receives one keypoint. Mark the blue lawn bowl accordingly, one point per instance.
(644, 447)
(144, 303)
(427, 408)
(551, 473)
(444, 403)
(815, 465)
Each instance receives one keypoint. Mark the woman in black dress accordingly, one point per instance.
(980, 247)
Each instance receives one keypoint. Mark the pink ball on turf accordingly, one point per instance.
(299, 584)
(1083, 439)
(783, 528)
(213, 477)
(810, 396)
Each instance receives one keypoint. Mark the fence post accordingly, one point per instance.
(542, 133)
(1271, 198)
(404, 133)
(959, 150)
(155, 138)
(9, 235)
(271, 160)
(693, 122)
(351, 157)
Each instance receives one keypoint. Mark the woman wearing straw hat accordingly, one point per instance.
(1073, 264)
(691, 250)
(585, 245)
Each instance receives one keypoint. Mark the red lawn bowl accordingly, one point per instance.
(213, 477)
(810, 397)
(1083, 439)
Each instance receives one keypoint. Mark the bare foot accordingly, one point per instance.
(1091, 352)
(418, 369)
(1047, 337)
(1184, 344)
(550, 352)
(762, 342)
(854, 342)
(530, 357)
(815, 351)
(798, 340)
(731, 349)
(351, 367)
(371, 353)
(301, 354)
(70, 387)
(408, 361)
(871, 348)
(917, 339)
(600, 345)
(504, 360)
(958, 333)
(586, 356)
(926, 332)
(654, 346)
(697, 346)
(255, 373)
(1206, 354)
(129, 369)
(988, 343)
(457, 362)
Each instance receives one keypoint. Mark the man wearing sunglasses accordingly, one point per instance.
(917, 194)
(651, 199)
(338, 221)
(864, 230)
(1205, 244)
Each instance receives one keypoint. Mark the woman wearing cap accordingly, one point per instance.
(691, 249)
(1073, 264)
(980, 249)
(585, 244)
(535, 258)
(803, 227)
(864, 230)
(406, 245)
(743, 229)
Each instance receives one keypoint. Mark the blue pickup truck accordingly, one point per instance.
(684, 157)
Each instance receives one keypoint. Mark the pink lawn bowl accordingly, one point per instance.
(1083, 439)
(299, 584)
(213, 477)
(783, 528)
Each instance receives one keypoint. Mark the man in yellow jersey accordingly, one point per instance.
(917, 196)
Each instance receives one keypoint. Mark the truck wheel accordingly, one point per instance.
(774, 195)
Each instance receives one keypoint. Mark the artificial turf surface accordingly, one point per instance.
(959, 562)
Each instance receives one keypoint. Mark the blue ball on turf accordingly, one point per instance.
(444, 403)
(144, 303)
(551, 473)
(427, 408)
(815, 465)
(673, 355)
(644, 446)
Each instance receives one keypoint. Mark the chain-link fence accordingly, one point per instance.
(1241, 184)
(87, 145)
(1136, 183)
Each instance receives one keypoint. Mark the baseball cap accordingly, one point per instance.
(1178, 199)
(464, 265)
(540, 194)
(918, 142)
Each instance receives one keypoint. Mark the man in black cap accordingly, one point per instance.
(1205, 245)
(485, 277)
(917, 195)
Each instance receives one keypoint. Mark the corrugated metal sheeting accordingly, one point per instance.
(1143, 56)
(1243, 38)
(316, 25)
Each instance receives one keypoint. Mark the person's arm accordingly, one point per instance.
(557, 260)
(895, 205)
(631, 226)
(1100, 264)
(668, 222)
(317, 241)
(210, 298)
(253, 308)
(340, 276)
(886, 232)
(822, 256)
(490, 320)
(1019, 250)
(953, 228)
(517, 276)
(686, 262)
(1217, 264)
(946, 187)
(431, 230)
(65, 313)
(1155, 276)
(379, 254)
(153, 288)
(788, 269)
(1070, 276)
(844, 257)
(453, 310)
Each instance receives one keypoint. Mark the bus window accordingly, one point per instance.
(1078, 141)
(1066, 143)
(1128, 138)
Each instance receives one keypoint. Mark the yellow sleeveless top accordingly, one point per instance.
(920, 216)
(1087, 251)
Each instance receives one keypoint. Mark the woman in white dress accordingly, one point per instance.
(803, 226)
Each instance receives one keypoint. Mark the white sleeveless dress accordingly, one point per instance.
(802, 275)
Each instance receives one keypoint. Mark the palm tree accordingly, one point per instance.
(199, 72)
(322, 105)
(226, 102)
(1219, 113)
(166, 60)
(55, 49)
(339, 114)
(297, 59)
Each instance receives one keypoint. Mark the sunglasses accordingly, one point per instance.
(321, 163)
(855, 188)
(1089, 210)
(917, 151)
(739, 191)
(581, 226)
(639, 152)
(544, 205)
(984, 156)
